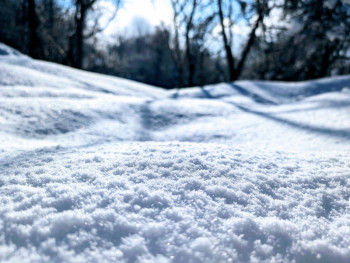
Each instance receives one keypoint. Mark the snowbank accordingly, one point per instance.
(100, 169)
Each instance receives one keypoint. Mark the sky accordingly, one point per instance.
(135, 16)
(132, 15)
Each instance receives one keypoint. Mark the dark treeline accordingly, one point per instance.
(283, 40)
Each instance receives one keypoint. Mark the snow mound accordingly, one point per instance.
(8, 51)
(267, 92)
(174, 202)
(25, 72)
(101, 169)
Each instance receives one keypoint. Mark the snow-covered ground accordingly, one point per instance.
(100, 169)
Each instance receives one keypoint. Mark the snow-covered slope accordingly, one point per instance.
(100, 169)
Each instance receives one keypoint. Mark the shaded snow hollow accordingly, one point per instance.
(101, 169)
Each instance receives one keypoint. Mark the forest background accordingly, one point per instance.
(200, 41)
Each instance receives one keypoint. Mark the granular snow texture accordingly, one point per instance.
(175, 202)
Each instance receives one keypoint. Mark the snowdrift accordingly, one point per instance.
(101, 169)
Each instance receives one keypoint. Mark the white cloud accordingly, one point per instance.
(154, 12)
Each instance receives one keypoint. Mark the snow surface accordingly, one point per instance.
(101, 169)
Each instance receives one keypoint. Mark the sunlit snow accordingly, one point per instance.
(101, 169)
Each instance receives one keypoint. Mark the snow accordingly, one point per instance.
(101, 169)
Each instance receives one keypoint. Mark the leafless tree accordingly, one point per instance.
(260, 8)
(190, 27)
(82, 8)
(34, 45)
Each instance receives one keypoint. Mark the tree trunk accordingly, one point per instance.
(34, 40)
(249, 44)
(177, 54)
(190, 61)
(82, 7)
(189, 54)
(80, 23)
(51, 14)
(229, 55)
(178, 59)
